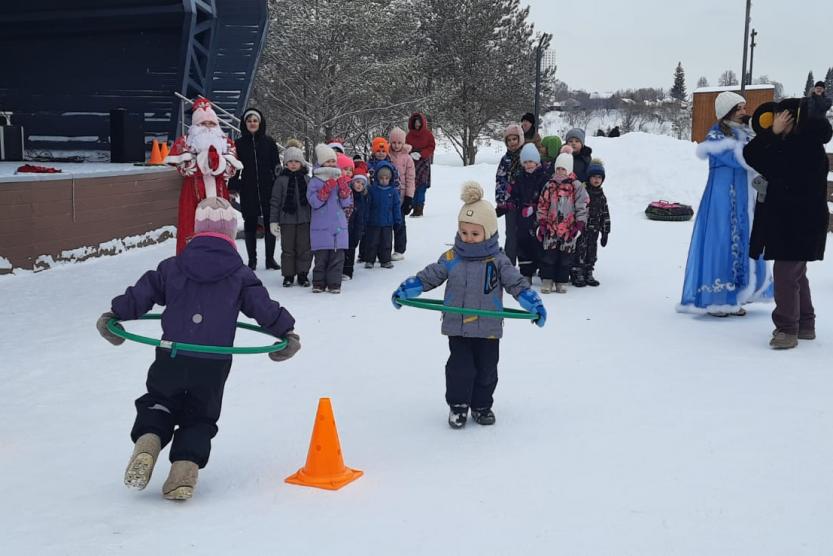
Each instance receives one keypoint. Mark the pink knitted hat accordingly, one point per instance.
(397, 134)
(215, 215)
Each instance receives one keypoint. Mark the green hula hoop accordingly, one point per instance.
(438, 305)
(114, 326)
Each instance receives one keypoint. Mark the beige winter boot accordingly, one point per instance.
(181, 480)
(560, 288)
(546, 286)
(140, 467)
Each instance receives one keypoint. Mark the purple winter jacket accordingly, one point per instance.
(328, 226)
(203, 289)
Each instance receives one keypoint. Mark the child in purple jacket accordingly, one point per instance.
(203, 289)
(329, 234)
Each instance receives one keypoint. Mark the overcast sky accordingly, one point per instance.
(604, 45)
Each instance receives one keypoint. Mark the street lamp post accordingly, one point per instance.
(745, 47)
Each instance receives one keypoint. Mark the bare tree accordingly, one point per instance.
(727, 79)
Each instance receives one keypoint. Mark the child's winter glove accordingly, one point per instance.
(101, 325)
(407, 205)
(416, 156)
(344, 190)
(275, 228)
(410, 288)
(604, 240)
(326, 189)
(531, 301)
(500, 210)
(293, 345)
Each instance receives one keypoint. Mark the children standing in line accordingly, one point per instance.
(598, 224)
(507, 171)
(357, 220)
(290, 216)
(203, 290)
(562, 217)
(328, 227)
(383, 215)
(477, 273)
(400, 155)
(524, 199)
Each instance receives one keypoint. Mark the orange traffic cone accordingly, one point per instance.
(325, 466)
(155, 154)
(164, 151)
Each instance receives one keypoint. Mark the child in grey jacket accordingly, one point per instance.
(477, 272)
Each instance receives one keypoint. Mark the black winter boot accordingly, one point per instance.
(578, 278)
(591, 281)
(457, 416)
(272, 264)
(303, 281)
(287, 281)
(483, 416)
(252, 263)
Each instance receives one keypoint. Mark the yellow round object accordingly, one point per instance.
(765, 120)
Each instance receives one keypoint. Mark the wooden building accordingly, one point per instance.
(702, 113)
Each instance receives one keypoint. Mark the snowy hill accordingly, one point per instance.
(622, 427)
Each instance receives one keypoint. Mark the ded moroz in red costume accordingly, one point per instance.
(206, 158)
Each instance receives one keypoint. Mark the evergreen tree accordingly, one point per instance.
(678, 91)
(702, 82)
(828, 81)
(808, 87)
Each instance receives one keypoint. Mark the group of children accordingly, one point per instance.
(555, 207)
(347, 205)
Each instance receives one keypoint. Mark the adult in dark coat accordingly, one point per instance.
(819, 103)
(260, 157)
(791, 224)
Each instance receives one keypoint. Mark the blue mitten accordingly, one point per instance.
(410, 288)
(531, 301)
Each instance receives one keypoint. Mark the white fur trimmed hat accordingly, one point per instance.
(724, 103)
(477, 210)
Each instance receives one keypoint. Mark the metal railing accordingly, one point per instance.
(232, 122)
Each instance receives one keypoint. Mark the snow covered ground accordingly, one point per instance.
(623, 427)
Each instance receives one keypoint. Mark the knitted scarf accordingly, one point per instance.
(296, 183)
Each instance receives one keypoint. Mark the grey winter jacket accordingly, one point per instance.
(477, 274)
(302, 214)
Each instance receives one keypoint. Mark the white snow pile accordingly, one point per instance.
(622, 427)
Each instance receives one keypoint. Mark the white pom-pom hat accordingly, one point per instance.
(476, 210)
(565, 159)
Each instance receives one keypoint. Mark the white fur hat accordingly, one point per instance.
(724, 103)
(476, 210)
(323, 153)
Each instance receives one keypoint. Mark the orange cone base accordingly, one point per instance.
(333, 482)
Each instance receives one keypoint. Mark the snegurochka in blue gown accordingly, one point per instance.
(720, 277)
